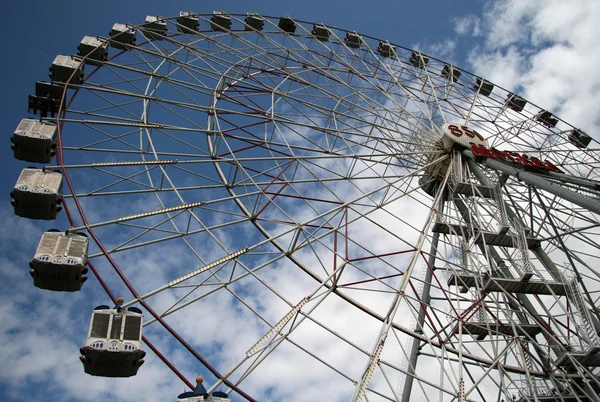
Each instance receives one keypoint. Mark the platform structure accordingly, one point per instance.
(481, 323)
(474, 190)
(481, 237)
(460, 182)
(514, 274)
(492, 283)
(539, 389)
(497, 230)
(451, 228)
(555, 398)
(495, 260)
(502, 240)
(544, 392)
(588, 358)
(522, 269)
(481, 329)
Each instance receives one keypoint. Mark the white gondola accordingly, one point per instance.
(37, 194)
(122, 36)
(33, 141)
(254, 22)
(155, 27)
(59, 261)
(287, 24)
(199, 394)
(417, 59)
(113, 347)
(353, 40)
(187, 22)
(67, 69)
(220, 21)
(321, 32)
(94, 49)
(385, 49)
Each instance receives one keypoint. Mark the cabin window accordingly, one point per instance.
(99, 326)
(132, 328)
(115, 330)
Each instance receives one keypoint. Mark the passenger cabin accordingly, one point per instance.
(450, 72)
(287, 24)
(385, 49)
(187, 22)
(59, 261)
(220, 21)
(122, 36)
(37, 194)
(199, 394)
(579, 138)
(353, 40)
(114, 341)
(515, 102)
(254, 22)
(483, 86)
(546, 119)
(67, 69)
(321, 32)
(34, 141)
(155, 27)
(47, 98)
(418, 60)
(93, 49)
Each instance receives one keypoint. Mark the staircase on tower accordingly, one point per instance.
(516, 276)
(584, 348)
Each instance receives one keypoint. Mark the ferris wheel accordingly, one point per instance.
(305, 210)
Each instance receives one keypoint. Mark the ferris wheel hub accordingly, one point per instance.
(453, 135)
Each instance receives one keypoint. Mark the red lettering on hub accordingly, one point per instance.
(521, 159)
(459, 131)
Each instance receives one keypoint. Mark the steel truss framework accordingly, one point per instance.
(277, 179)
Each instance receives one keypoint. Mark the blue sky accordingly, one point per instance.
(516, 44)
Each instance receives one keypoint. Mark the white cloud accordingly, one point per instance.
(505, 23)
(545, 49)
(499, 66)
(442, 50)
(467, 25)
